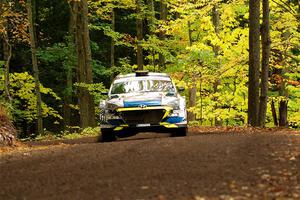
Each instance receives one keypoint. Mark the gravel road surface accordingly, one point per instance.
(156, 166)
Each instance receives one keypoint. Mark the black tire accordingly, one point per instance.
(180, 132)
(107, 135)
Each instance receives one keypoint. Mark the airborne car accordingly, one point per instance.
(142, 102)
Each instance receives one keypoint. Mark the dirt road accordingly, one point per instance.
(151, 166)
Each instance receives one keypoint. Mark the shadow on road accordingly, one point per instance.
(89, 140)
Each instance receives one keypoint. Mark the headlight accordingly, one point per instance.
(113, 104)
(174, 104)
(171, 101)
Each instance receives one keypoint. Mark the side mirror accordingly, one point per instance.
(181, 89)
(104, 93)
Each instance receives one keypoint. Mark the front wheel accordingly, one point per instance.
(180, 132)
(107, 135)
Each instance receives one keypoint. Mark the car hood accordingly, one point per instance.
(142, 99)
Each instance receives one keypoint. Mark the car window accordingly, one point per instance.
(142, 86)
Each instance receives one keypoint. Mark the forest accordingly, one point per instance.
(238, 60)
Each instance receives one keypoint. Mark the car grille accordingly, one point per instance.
(132, 117)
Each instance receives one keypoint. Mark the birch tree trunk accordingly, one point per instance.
(33, 42)
(254, 62)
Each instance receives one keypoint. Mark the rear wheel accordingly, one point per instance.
(180, 132)
(107, 135)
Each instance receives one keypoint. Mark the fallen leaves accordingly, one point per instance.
(26, 150)
(240, 129)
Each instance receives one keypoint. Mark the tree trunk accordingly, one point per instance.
(34, 20)
(193, 90)
(216, 48)
(84, 66)
(73, 6)
(68, 94)
(163, 17)
(283, 106)
(151, 17)
(139, 30)
(69, 74)
(190, 34)
(201, 102)
(283, 103)
(7, 54)
(7, 130)
(216, 23)
(151, 26)
(273, 110)
(254, 62)
(112, 44)
(7, 51)
(35, 66)
(192, 100)
(266, 45)
(283, 92)
(298, 15)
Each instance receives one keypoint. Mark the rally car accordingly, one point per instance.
(142, 102)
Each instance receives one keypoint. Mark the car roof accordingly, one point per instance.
(135, 76)
(155, 74)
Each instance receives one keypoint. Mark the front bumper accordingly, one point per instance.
(143, 119)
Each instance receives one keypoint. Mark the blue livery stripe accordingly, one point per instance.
(128, 104)
(174, 120)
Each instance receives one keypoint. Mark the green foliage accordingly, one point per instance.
(87, 132)
(24, 99)
(71, 133)
(194, 53)
(63, 53)
(60, 56)
(221, 78)
(124, 67)
(293, 105)
(95, 90)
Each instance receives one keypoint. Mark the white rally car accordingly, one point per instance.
(142, 102)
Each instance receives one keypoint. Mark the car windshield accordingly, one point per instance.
(142, 86)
